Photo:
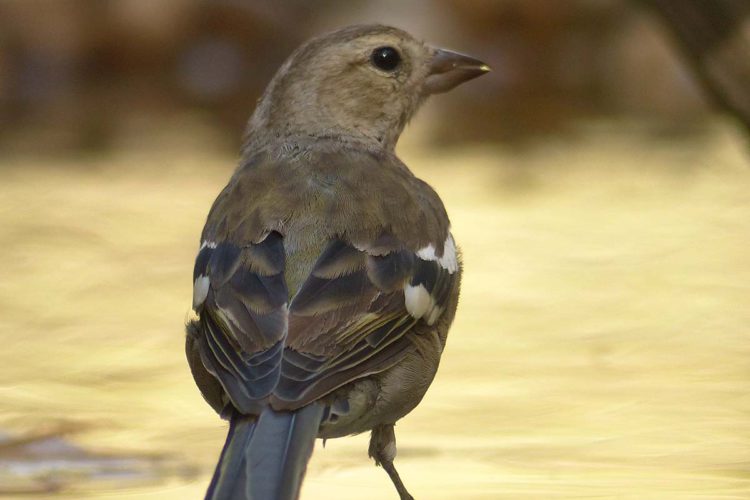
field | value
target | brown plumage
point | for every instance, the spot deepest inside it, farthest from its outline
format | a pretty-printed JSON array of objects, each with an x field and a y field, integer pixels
[{"x": 327, "y": 277}]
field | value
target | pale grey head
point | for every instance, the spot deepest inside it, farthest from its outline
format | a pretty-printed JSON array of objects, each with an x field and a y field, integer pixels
[{"x": 360, "y": 84}]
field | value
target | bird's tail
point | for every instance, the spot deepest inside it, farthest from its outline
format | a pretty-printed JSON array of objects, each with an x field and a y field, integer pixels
[{"x": 265, "y": 457}]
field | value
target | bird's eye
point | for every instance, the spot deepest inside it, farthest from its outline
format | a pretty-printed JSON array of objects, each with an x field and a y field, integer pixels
[{"x": 385, "y": 58}]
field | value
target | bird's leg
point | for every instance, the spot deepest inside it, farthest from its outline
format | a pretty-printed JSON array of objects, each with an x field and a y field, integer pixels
[{"x": 383, "y": 450}]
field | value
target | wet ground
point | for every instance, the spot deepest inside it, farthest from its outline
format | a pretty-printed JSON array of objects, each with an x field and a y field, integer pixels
[{"x": 602, "y": 346}]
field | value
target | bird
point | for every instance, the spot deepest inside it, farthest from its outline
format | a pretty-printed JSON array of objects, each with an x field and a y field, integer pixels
[{"x": 327, "y": 275}]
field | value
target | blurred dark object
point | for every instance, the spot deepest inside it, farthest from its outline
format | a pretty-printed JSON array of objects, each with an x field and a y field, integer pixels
[
  {"x": 46, "y": 462},
  {"x": 86, "y": 74},
  {"x": 549, "y": 62},
  {"x": 715, "y": 36},
  {"x": 91, "y": 75}
]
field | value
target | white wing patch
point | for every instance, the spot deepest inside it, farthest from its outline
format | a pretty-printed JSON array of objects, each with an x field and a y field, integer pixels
[
  {"x": 200, "y": 290},
  {"x": 201, "y": 284},
  {"x": 417, "y": 300},
  {"x": 449, "y": 260},
  {"x": 420, "y": 304}
]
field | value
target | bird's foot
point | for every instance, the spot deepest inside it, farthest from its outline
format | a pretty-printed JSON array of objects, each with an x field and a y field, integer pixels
[
  {"x": 400, "y": 488},
  {"x": 383, "y": 450}
]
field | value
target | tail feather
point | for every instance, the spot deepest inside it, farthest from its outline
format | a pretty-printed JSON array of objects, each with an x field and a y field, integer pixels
[
  {"x": 264, "y": 458},
  {"x": 229, "y": 479}
]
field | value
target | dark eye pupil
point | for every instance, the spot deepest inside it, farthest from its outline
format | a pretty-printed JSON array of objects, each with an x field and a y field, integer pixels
[{"x": 386, "y": 58}]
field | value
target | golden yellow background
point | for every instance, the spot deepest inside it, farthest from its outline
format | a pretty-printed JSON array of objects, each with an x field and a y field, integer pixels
[{"x": 601, "y": 350}]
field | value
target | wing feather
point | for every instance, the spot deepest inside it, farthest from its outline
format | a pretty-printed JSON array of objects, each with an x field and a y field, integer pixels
[{"x": 243, "y": 317}]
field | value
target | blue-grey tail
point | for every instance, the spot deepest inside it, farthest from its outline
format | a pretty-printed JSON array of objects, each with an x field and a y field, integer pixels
[{"x": 265, "y": 457}]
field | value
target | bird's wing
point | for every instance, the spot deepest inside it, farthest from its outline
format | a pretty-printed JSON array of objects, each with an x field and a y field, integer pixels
[
  {"x": 354, "y": 314},
  {"x": 241, "y": 297}
]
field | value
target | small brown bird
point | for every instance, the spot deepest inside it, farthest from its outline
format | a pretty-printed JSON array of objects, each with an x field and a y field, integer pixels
[{"x": 327, "y": 276}]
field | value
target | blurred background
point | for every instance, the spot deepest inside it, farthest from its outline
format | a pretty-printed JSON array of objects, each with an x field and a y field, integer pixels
[{"x": 597, "y": 181}]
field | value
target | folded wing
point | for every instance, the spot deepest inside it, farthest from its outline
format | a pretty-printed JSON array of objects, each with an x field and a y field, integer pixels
[
  {"x": 241, "y": 297},
  {"x": 356, "y": 312}
]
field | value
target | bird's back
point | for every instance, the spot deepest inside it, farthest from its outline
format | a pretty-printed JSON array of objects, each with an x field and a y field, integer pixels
[{"x": 317, "y": 192}]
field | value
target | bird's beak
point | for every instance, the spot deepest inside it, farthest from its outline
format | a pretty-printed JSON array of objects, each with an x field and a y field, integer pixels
[{"x": 449, "y": 69}]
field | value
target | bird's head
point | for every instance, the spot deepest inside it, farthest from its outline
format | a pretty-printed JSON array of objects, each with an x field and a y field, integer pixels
[{"x": 361, "y": 84}]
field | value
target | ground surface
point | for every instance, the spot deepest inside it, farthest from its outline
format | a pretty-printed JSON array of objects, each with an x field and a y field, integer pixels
[{"x": 601, "y": 350}]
